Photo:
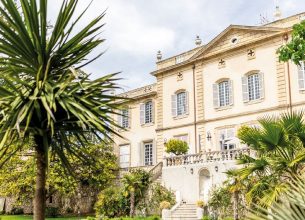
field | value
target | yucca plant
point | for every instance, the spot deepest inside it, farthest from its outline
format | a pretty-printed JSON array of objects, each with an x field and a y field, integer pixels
[
  {"x": 290, "y": 206},
  {"x": 42, "y": 94}
]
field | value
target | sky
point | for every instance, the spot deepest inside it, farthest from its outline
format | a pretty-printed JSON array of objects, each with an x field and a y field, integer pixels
[{"x": 136, "y": 29}]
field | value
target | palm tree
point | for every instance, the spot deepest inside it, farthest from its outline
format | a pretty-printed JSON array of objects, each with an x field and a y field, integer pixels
[
  {"x": 44, "y": 96},
  {"x": 290, "y": 206},
  {"x": 279, "y": 143}
]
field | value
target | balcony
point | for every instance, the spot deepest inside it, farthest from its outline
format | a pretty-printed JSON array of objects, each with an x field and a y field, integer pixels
[{"x": 206, "y": 157}]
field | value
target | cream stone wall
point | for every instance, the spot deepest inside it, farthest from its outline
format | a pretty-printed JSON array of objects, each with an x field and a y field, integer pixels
[{"x": 203, "y": 63}]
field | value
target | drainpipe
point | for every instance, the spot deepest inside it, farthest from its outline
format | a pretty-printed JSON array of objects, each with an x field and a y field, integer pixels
[
  {"x": 195, "y": 109},
  {"x": 289, "y": 81}
]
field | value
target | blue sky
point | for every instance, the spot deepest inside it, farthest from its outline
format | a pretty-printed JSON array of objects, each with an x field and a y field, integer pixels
[{"x": 136, "y": 29}]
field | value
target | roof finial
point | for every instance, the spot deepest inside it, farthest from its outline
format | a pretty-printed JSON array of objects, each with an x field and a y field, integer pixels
[
  {"x": 198, "y": 41},
  {"x": 277, "y": 13},
  {"x": 159, "y": 56}
]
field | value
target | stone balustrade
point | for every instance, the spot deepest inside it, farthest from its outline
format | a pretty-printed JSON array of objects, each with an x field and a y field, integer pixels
[{"x": 205, "y": 157}]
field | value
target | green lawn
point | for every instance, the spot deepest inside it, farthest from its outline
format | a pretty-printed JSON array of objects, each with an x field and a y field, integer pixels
[{"x": 24, "y": 217}]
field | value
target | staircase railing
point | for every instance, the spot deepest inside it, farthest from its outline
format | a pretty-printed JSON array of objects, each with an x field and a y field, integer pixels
[{"x": 156, "y": 171}]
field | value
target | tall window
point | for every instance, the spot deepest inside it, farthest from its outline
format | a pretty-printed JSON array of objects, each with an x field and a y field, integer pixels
[
  {"x": 301, "y": 75},
  {"x": 125, "y": 118},
  {"x": 148, "y": 112},
  {"x": 224, "y": 93},
  {"x": 181, "y": 103},
  {"x": 182, "y": 138},
  {"x": 124, "y": 156},
  {"x": 148, "y": 154},
  {"x": 254, "y": 87},
  {"x": 227, "y": 140}
]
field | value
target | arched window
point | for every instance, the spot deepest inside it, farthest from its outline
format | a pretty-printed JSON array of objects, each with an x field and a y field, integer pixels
[
  {"x": 223, "y": 93},
  {"x": 147, "y": 112},
  {"x": 253, "y": 88},
  {"x": 180, "y": 103}
]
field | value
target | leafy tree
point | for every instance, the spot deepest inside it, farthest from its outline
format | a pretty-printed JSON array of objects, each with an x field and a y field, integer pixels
[
  {"x": 295, "y": 49},
  {"x": 44, "y": 97},
  {"x": 220, "y": 202},
  {"x": 176, "y": 147},
  {"x": 135, "y": 185},
  {"x": 279, "y": 144},
  {"x": 17, "y": 176}
]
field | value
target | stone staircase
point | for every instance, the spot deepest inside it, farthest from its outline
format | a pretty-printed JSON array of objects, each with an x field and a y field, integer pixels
[{"x": 184, "y": 212}]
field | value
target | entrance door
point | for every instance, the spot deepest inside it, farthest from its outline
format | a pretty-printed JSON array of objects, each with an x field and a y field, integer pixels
[{"x": 204, "y": 185}]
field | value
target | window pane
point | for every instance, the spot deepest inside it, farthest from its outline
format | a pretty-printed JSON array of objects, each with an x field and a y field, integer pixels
[
  {"x": 253, "y": 86},
  {"x": 125, "y": 118},
  {"x": 148, "y": 112},
  {"x": 124, "y": 156},
  {"x": 148, "y": 154},
  {"x": 224, "y": 93},
  {"x": 181, "y": 103}
]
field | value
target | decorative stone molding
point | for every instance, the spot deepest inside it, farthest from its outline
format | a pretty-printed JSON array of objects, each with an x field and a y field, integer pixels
[
  {"x": 221, "y": 63},
  {"x": 141, "y": 92},
  {"x": 179, "y": 76},
  {"x": 251, "y": 54}
]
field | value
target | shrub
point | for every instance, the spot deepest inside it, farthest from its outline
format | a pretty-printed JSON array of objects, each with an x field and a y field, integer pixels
[
  {"x": 176, "y": 147},
  {"x": 165, "y": 205},
  {"x": 200, "y": 203},
  {"x": 17, "y": 211},
  {"x": 228, "y": 218},
  {"x": 112, "y": 203},
  {"x": 159, "y": 193},
  {"x": 207, "y": 218},
  {"x": 52, "y": 211}
]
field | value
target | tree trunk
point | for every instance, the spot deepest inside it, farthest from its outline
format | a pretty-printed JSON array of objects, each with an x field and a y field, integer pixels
[
  {"x": 132, "y": 203},
  {"x": 40, "y": 190},
  {"x": 235, "y": 204}
]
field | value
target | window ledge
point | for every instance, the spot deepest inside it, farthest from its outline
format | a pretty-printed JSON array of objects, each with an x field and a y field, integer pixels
[
  {"x": 147, "y": 125},
  {"x": 223, "y": 108},
  {"x": 302, "y": 91},
  {"x": 256, "y": 101},
  {"x": 124, "y": 129},
  {"x": 180, "y": 116}
]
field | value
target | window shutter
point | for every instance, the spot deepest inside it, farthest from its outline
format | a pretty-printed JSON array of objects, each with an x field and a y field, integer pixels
[
  {"x": 153, "y": 112},
  {"x": 129, "y": 118},
  {"x": 245, "y": 88},
  {"x": 301, "y": 76},
  {"x": 141, "y": 154},
  {"x": 231, "y": 97},
  {"x": 174, "y": 105},
  {"x": 261, "y": 85},
  {"x": 230, "y": 133},
  {"x": 120, "y": 118},
  {"x": 187, "y": 102},
  {"x": 215, "y": 96},
  {"x": 142, "y": 113},
  {"x": 155, "y": 161}
]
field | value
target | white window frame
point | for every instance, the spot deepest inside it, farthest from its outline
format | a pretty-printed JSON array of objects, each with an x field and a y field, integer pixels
[
  {"x": 148, "y": 153},
  {"x": 181, "y": 103},
  {"x": 226, "y": 137},
  {"x": 125, "y": 163},
  {"x": 224, "y": 93},
  {"x": 254, "y": 86},
  {"x": 148, "y": 112},
  {"x": 125, "y": 118},
  {"x": 301, "y": 76}
]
